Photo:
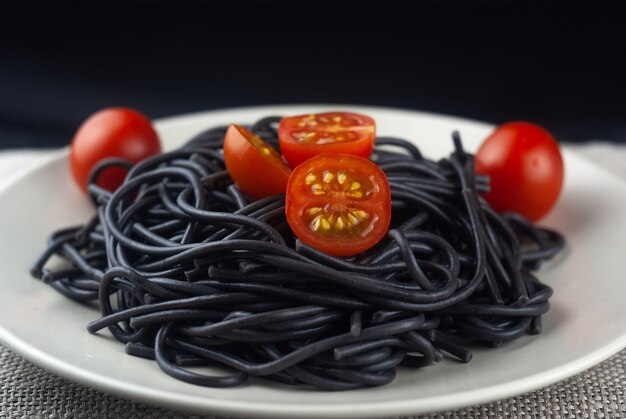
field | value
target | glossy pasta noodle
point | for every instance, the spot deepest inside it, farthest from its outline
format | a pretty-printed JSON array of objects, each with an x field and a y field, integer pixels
[{"x": 190, "y": 272}]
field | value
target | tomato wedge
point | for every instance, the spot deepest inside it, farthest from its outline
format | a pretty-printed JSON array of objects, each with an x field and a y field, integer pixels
[
  {"x": 338, "y": 203},
  {"x": 255, "y": 166},
  {"x": 304, "y": 136}
]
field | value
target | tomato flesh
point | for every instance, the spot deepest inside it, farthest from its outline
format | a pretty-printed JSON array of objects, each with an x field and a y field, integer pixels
[
  {"x": 111, "y": 132},
  {"x": 304, "y": 136},
  {"x": 525, "y": 167},
  {"x": 255, "y": 166},
  {"x": 338, "y": 203}
]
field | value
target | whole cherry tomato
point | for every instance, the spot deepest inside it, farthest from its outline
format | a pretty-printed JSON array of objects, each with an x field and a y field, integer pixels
[
  {"x": 338, "y": 203},
  {"x": 525, "y": 167},
  {"x": 255, "y": 166},
  {"x": 304, "y": 136},
  {"x": 111, "y": 132}
]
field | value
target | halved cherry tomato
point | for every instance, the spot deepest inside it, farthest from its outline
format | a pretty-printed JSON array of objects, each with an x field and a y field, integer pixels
[
  {"x": 255, "y": 166},
  {"x": 111, "y": 132},
  {"x": 525, "y": 167},
  {"x": 338, "y": 203},
  {"x": 304, "y": 136}
]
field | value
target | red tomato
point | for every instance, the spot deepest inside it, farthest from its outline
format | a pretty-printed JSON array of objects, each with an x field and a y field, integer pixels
[
  {"x": 255, "y": 166},
  {"x": 111, "y": 132},
  {"x": 525, "y": 165},
  {"x": 338, "y": 203},
  {"x": 304, "y": 136}
]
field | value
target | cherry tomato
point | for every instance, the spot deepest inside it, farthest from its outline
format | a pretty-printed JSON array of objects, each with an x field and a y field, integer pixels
[
  {"x": 111, "y": 132},
  {"x": 338, "y": 203},
  {"x": 304, "y": 136},
  {"x": 255, "y": 166},
  {"x": 525, "y": 167}
]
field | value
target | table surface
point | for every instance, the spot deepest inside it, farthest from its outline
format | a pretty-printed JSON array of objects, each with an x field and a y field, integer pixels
[{"x": 29, "y": 391}]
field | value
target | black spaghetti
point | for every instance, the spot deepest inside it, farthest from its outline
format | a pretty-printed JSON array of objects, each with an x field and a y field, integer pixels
[{"x": 190, "y": 272}]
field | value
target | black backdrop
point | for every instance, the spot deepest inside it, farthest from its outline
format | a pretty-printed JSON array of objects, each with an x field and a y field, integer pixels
[{"x": 561, "y": 64}]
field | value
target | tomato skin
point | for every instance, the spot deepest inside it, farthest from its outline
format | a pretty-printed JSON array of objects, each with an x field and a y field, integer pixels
[
  {"x": 361, "y": 128},
  {"x": 364, "y": 218},
  {"x": 525, "y": 167},
  {"x": 255, "y": 166},
  {"x": 111, "y": 132}
]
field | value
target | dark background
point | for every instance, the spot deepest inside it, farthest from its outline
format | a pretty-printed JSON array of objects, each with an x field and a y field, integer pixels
[{"x": 560, "y": 64}]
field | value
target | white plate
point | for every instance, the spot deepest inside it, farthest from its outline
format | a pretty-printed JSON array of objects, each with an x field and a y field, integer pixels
[{"x": 586, "y": 324}]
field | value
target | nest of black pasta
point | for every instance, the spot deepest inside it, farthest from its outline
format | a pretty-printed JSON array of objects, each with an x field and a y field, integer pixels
[{"x": 189, "y": 271}]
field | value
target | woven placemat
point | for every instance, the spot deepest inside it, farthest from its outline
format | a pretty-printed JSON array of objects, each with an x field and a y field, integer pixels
[{"x": 27, "y": 391}]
